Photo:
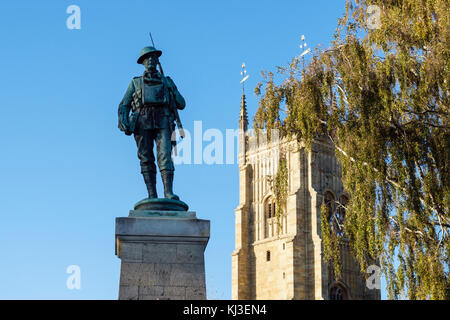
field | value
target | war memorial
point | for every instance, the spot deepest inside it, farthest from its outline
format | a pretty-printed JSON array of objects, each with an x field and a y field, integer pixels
[{"x": 161, "y": 243}]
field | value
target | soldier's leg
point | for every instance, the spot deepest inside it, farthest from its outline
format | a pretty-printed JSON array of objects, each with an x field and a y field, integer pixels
[
  {"x": 144, "y": 141},
  {"x": 165, "y": 163}
]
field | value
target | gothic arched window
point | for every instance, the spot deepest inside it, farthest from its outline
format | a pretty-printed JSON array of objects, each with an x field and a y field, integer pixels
[
  {"x": 270, "y": 208},
  {"x": 335, "y": 212},
  {"x": 339, "y": 216},
  {"x": 269, "y": 215},
  {"x": 337, "y": 292}
]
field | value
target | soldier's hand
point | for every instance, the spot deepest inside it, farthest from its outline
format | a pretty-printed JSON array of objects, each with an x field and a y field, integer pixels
[
  {"x": 125, "y": 128},
  {"x": 123, "y": 125}
]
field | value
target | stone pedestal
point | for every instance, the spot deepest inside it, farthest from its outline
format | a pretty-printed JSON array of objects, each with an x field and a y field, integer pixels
[{"x": 162, "y": 255}]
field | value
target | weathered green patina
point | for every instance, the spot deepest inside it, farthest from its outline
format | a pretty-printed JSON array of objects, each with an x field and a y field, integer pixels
[{"x": 149, "y": 111}]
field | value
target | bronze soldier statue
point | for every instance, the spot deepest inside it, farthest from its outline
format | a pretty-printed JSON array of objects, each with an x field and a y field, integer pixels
[{"x": 153, "y": 100}]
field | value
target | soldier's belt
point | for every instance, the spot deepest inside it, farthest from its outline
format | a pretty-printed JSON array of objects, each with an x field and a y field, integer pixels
[
  {"x": 151, "y": 107},
  {"x": 155, "y": 106}
]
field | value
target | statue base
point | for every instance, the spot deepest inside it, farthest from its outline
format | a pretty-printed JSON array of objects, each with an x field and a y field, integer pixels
[
  {"x": 162, "y": 253},
  {"x": 161, "y": 204}
]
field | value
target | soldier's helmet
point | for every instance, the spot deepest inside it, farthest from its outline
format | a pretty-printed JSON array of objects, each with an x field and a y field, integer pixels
[{"x": 146, "y": 52}]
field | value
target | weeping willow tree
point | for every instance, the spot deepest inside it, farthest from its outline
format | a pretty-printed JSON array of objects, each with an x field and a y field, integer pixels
[{"x": 380, "y": 94}]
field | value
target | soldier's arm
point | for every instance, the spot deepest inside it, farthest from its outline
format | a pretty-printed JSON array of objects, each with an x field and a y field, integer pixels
[
  {"x": 179, "y": 100},
  {"x": 125, "y": 107}
]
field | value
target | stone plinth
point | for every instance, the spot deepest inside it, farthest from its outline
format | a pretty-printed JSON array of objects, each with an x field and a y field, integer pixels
[{"x": 162, "y": 255}]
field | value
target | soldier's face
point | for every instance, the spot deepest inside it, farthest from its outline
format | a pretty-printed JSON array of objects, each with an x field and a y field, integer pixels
[{"x": 151, "y": 62}]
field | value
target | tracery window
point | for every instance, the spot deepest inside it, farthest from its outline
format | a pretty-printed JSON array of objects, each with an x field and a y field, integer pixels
[
  {"x": 269, "y": 215},
  {"x": 336, "y": 212},
  {"x": 270, "y": 208},
  {"x": 339, "y": 216}
]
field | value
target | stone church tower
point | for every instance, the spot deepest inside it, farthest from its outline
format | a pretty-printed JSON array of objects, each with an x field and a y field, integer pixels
[{"x": 281, "y": 258}]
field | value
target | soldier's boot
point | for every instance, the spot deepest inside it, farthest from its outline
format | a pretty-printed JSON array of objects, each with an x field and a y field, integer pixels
[
  {"x": 150, "y": 182},
  {"x": 167, "y": 178}
]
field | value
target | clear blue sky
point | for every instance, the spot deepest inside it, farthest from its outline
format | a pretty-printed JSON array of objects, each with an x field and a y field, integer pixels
[{"x": 66, "y": 171}]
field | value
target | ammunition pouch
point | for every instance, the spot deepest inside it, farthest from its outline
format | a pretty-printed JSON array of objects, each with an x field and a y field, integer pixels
[{"x": 136, "y": 104}]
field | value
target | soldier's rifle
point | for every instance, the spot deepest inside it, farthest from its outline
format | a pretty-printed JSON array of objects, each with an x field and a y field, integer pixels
[{"x": 172, "y": 104}]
